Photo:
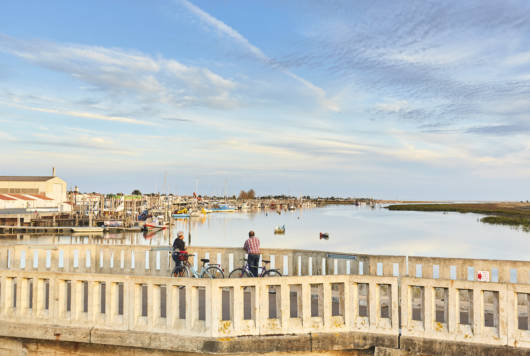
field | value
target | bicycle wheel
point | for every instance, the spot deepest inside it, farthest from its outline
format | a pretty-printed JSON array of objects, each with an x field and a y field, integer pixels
[
  {"x": 239, "y": 273},
  {"x": 212, "y": 272},
  {"x": 272, "y": 273},
  {"x": 180, "y": 271}
]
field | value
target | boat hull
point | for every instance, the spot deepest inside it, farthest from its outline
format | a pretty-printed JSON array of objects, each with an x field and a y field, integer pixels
[
  {"x": 180, "y": 216},
  {"x": 154, "y": 227}
]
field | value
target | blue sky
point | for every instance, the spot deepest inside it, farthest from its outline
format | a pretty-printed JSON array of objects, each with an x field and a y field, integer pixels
[{"x": 397, "y": 100}]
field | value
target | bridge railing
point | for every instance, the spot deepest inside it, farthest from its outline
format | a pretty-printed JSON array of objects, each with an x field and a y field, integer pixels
[
  {"x": 201, "y": 307},
  {"x": 156, "y": 261},
  {"x": 486, "y": 313}
]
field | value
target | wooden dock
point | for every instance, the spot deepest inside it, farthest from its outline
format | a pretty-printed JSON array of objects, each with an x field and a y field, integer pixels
[{"x": 9, "y": 230}]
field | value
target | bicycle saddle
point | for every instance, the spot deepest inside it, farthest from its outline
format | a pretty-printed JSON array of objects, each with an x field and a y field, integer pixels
[
  {"x": 205, "y": 260},
  {"x": 265, "y": 261}
]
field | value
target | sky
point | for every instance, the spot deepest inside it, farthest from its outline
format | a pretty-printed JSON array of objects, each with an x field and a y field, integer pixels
[{"x": 412, "y": 100}]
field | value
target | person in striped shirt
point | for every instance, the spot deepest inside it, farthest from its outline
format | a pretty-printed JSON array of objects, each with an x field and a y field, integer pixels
[{"x": 252, "y": 248}]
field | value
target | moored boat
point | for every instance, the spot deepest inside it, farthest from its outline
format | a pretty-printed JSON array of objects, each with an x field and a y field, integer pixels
[
  {"x": 279, "y": 229},
  {"x": 224, "y": 209},
  {"x": 153, "y": 226},
  {"x": 180, "y": 216}
]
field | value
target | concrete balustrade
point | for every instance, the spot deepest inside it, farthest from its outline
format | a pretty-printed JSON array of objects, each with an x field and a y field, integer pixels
[
  {"x": 196, "y": 307},
  {"x": 156, "y": 261},
  {"x": 112, "y": 309},
  {"x": 475, "y": 312},
  {"x": 467, "y": 269}
]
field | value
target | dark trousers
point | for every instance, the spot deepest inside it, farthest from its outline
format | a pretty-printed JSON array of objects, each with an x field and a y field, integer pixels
[{"x": 253, "y": 261}]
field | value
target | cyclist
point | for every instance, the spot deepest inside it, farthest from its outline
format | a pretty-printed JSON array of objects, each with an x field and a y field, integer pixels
[
  {"x": 252, "y": 248},
  {"x": 179, "y": 247}
]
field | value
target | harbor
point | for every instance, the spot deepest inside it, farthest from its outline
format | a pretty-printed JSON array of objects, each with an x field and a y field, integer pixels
[{"x": 354, "y": 228}]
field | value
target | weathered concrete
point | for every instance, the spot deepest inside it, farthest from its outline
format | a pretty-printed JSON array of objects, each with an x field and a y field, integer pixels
[
  {"x": 33, "y": 347},
  {"x": 139, "y": 344},
  {"x": 423, "y": 346},
  {"x": 271, "y": 345},
  {"x": 277, "y": 314}
]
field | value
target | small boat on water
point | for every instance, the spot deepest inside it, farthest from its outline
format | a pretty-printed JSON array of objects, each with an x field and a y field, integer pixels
[
  {"x": 279, "y": 229},
  {"x": 181, "y": 214},
  {"x": 152, "y": 226},
  {"x": 112, "y": 223},
  {"x": 324, "y": 235},
  {"x": 223, "y": 209}
]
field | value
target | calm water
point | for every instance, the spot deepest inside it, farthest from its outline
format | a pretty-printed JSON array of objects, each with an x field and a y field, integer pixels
[
  {"x": 366, "y": 230},
  {"x": 351, "y": 229}
]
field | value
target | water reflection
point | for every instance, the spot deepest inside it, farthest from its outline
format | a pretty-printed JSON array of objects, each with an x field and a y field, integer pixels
[{"x": 351, "y": 229}]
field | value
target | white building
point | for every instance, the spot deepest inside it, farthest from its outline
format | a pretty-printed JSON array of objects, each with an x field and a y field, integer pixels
[{"x": 34, "y": 193}]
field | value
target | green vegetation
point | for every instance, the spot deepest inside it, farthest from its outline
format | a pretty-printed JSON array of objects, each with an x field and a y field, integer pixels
[
  {"x": 522, "y": 223},
  {"x": 514, "y": 214}
]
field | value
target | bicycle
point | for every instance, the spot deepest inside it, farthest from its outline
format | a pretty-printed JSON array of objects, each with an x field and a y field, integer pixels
[
  {"x": 244, "y": 271},
  {"x": 185, "y": 269}
]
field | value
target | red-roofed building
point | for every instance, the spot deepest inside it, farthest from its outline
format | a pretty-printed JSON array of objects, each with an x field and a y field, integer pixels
[
  {"x": 50, "y": 186},
  {"x": 21, "y": 196},
  {"x": 40, "y": 196},
  {"x": 33, "y": 193}
]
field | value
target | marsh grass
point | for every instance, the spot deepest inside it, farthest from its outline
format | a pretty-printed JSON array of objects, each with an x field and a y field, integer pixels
[{"x": 513, "y": 214}]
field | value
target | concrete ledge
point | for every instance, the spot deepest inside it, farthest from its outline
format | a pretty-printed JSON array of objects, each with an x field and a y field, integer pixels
[
  {"x": 421, "y": 346},
  {"x": 351, "y": 340},
  {"x": 24, "y": 339},
  {"x": 158, "y": 341},
  {"x": 32, "y": 347},
  {"x": 344, "y": 341},
  {"x": 45, "y": 332},
  {"x": 257, "y": 344}
]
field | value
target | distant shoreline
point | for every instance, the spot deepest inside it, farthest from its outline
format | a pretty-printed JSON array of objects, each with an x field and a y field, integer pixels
[{"x": 501, "y": 213}]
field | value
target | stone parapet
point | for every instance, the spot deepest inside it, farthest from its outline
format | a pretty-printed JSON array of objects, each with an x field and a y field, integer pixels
[
  {"x": 156, "y": 261},
  {"x": 221, "y": 315}
]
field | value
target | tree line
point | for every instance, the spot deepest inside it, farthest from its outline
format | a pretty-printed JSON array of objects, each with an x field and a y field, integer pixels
[{"x": 247, "y": 195}]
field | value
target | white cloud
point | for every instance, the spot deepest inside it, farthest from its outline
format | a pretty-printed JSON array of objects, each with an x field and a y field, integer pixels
[{"x": 122, "y": 71}]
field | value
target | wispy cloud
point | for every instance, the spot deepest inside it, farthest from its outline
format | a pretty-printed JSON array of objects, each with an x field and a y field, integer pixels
[
  {"x": 84, "y": 115},
  {"x": 501, "y": 130},
  {"x": 226, "y": 30},
  {"x": 123, "y": 72},
  {"x": 460, "y": 55}
]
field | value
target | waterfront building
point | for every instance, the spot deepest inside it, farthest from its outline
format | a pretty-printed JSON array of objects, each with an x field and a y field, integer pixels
[
  {"x": 51, "y": 187},
  {"x": 21, "y": 197}
]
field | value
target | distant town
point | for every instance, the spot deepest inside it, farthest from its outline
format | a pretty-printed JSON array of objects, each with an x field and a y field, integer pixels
[{"x": 44, "y": 201}]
